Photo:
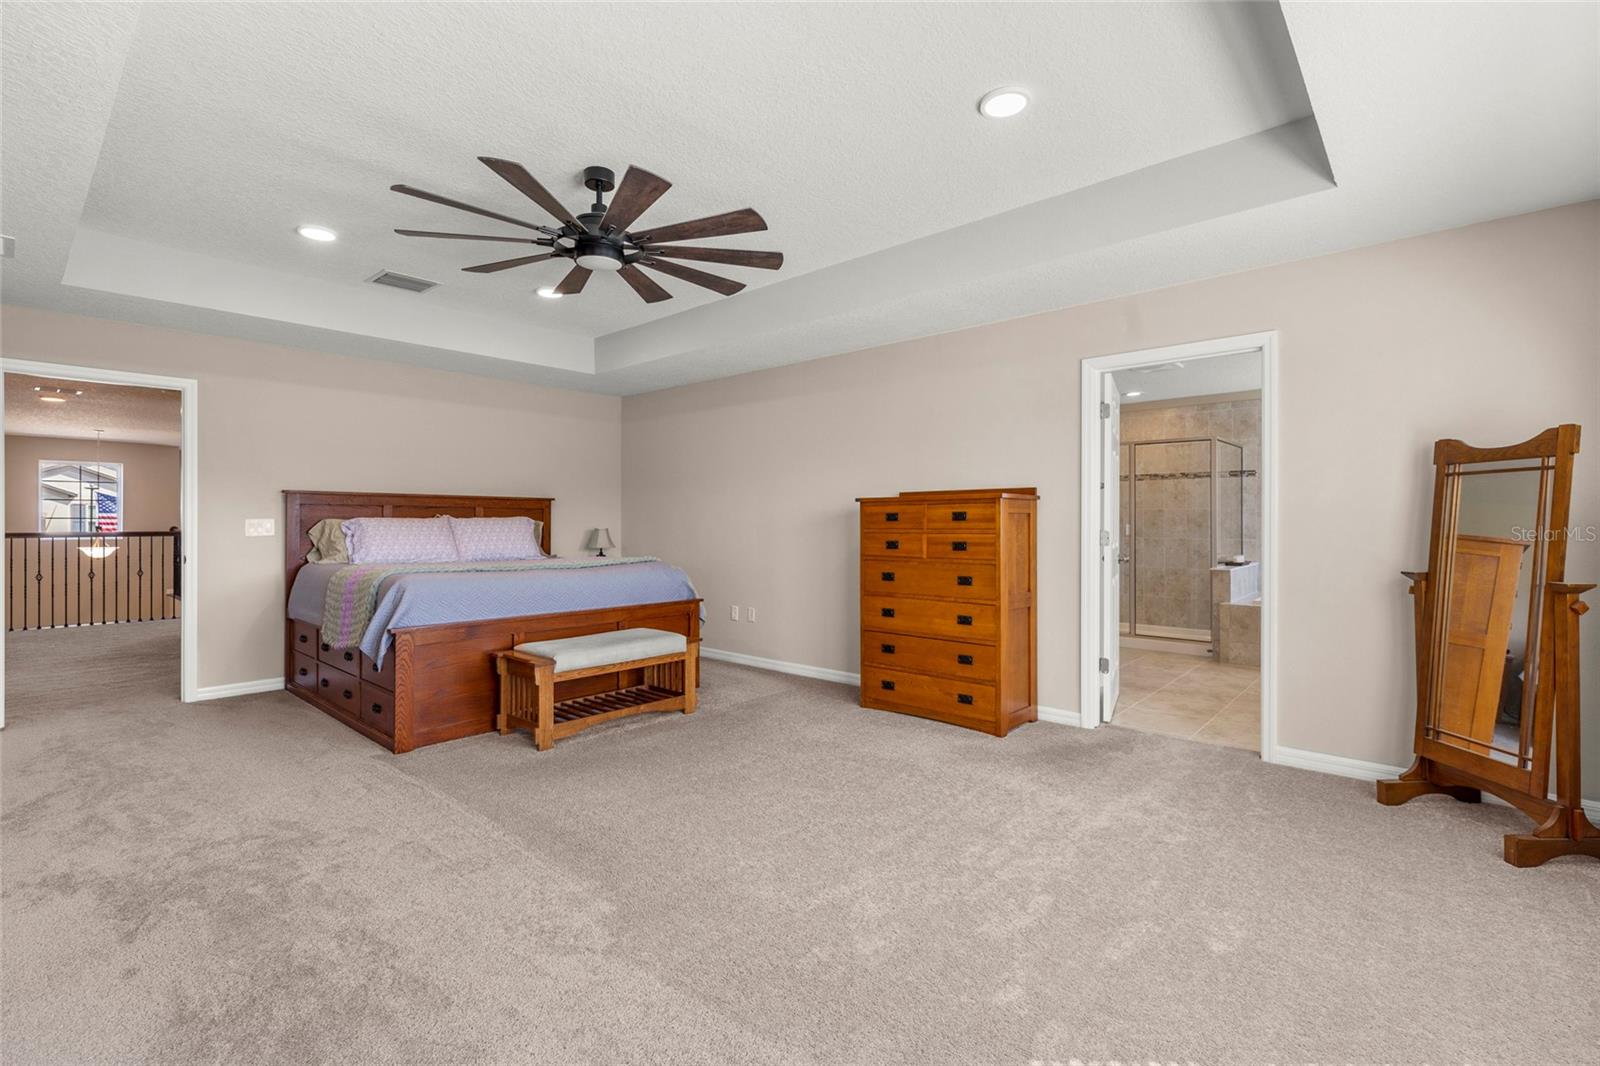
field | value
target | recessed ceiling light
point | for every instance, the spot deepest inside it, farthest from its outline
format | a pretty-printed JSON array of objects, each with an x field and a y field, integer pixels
[
  {"x": 55, "y": 395},
  {"x": 1002, "y": 103},
  {"x": 1131, "y": 395},
  {"x": 53, "y": 399},
  {"x": 317, "y": 233},
  {"x": 549, "y": 293}
]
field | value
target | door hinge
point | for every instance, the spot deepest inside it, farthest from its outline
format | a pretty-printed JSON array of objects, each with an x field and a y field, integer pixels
[
  {"x": 1105, "y": 665},
  {"x": 1105, "y": 409},
  {"x": 1105, "y": 538}
]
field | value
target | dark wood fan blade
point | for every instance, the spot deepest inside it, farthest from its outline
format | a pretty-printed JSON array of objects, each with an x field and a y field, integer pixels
[
  {"x": 731, "y": 256},
  {"x": 639, "y": 189},
  {"x": 423, "y": 194},
  {"x": 470, "y": 236},
  {"x": 648, "y": 290},
  {"x": 725, "y": 286},
  {"x": 574, "y": 282},
  {"x": 744, "y": 220},
  {"x": 507, "y": 264},
  {"x": 524, "y": 183}
]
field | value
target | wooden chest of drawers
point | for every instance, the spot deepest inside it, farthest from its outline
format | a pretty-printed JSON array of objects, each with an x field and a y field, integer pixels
[{"x": 947, "y": 606}]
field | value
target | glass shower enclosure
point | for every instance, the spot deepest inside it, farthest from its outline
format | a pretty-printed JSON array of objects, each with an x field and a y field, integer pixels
[{"x": 1182, "y": 511}]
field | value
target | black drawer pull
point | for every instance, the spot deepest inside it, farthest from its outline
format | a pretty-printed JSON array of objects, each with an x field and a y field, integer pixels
[
  {"x": 963, "y": 579},
  {"x": 326, "y": 683},
  {"x": 886, "y": 612},
  {"x": 304, "y": 671},
  {"x": 888, "y": 575},
  {"x": 958, "y": 516},
  {"x": 963, "y": 619},
  {"x": 962, "y": 697},
  {"x": 891, "y": 545},
  {"x": 886, "y": 684},
  {"x": 327, "y": 647},
  {"x": 377, "y": 708},
  {"x": 887, "y": 649},
  {"x": 964, "y": 660},
  {"x": 891, "y": 516},
  {"x": 958, "y": 545},
  {"x": 349, "y": 656},
  {"x": 349, "y": 695},
  {"x": 304, "y": 639}
]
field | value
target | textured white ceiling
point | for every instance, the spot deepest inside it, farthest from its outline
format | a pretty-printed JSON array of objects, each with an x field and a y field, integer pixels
[
  {"x": 124, "y": 412},
  {"x": 156, "y": 161},
  {"x": 1215, "y": 376}
]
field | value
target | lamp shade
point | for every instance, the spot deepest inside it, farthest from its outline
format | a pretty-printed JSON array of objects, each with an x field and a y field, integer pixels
[{"x": 599, "y": 540}]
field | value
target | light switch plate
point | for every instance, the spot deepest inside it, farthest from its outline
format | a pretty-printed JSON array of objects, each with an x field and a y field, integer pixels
[{"x": 260, "y": 527}]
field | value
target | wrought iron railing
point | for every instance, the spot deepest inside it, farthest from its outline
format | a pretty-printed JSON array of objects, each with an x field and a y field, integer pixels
[{"x": 81, "y": 579}]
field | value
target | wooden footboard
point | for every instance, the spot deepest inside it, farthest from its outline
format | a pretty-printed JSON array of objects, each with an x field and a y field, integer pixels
[{"x": 439, "y": 682}]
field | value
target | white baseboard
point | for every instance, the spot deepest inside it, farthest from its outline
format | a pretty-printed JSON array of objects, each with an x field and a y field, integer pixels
[
  {"x": 1060, "y": 717},
  {"x": 239, "y": 688},
  {"x": 1377, "y": 771},
  {"x": 820, "y": 673}
]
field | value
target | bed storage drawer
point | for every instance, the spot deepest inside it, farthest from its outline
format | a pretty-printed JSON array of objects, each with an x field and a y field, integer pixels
[
  {"x": 880, "y": 516},
  {"x": 946, "y": 697},
  {"x": 377, "y": 709},
  {"x": 303, "y": 638},
  {"x": 959, "y": 580},
  {"x": 346, "y": 659},
  {"x": 925, "y": 655},
  {"x": 371, "y": 675},
  {"x": 930, "y": 618},
  {"x": 338, "y": 688},
  {"x": 303, "y": 674}
]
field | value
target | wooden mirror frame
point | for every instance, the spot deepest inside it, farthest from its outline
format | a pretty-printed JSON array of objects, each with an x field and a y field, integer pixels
[{"x": 1552, "y": 649}]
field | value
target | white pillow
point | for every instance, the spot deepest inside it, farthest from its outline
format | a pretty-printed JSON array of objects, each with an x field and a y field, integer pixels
[
  {"x": 482, "y": 540},
  {"x": 400, "y": 540}
]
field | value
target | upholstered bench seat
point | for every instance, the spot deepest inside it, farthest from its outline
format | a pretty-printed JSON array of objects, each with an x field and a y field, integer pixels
[
  {"x": 604, "y": 649},
  {"x": 654, "y": 670}
]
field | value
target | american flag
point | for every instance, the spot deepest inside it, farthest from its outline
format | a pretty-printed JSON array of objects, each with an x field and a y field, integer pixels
[{"x": 105, "y": 508}]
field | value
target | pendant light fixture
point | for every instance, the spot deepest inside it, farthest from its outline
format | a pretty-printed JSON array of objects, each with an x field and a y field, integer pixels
[{"x": 98, "y": 547}]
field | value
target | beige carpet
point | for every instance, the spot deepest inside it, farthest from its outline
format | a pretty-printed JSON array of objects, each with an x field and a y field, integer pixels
[{"x": 782, "y": 878}]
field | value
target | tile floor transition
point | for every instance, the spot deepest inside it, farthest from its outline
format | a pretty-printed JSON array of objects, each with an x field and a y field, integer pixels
[{"x": 1190, "y": 696}]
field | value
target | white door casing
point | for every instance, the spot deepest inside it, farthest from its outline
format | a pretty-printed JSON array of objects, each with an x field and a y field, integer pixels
[{"x": 1110, "y": 547}]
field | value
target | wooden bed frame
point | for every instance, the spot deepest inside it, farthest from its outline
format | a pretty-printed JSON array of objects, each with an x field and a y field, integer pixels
[{"x": 438, "y": 682}]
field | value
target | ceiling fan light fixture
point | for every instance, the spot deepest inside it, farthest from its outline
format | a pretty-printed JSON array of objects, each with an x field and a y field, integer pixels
[
  {"x": 549, "y": 292},
  {"x": 597, "y": 254},
  {"x": 317, "y": 233},
  {"x": 1002, "y": 103}
]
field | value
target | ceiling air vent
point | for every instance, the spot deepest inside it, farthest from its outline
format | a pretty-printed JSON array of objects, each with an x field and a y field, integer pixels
[{"x": 402, "y": 281}]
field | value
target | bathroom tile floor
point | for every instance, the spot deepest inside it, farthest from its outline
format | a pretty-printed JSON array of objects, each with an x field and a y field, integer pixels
[{"x": 1190, "y": 696}]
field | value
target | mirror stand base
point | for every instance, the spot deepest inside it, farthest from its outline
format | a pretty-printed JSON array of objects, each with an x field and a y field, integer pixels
[
  {"x": 1567, "y": 831},
  {"x": 1416, "y": 782}
]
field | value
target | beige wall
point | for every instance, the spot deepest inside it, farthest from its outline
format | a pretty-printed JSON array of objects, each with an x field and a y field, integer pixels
[
  {"x": 150, "y": 499},
  {"x": 278, "y": 418},
  {"x": 1487, "y": 333}
]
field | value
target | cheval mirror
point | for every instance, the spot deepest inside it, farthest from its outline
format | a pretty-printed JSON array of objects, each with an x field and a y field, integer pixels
[{"x": 1497, "y": 643}]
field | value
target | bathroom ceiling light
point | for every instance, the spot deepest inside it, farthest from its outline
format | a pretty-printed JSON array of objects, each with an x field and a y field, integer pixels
[
  {"x": 549, "y": 293},
  {"x": 1002, "y": 103},
  {"x": 317, "y": 233},
  {"x": 1131, "y": 395},
  {"x": 55, "y": 395}
]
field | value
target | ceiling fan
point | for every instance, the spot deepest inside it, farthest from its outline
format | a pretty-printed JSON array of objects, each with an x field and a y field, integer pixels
[{"x": 600, "y": 238}]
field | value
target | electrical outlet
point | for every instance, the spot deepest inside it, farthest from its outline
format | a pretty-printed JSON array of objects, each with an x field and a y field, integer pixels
[
  {"x": 260, "y": 527},
  {"x": 735, "y": 613},
  {"x": 749, "y": 614}
]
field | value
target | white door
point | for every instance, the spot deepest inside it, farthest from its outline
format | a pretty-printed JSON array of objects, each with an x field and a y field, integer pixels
[{"x": 1110, "y": 545}]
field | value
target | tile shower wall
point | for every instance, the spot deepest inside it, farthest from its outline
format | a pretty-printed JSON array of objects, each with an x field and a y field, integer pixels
[{"x": 1174, "y": 505}]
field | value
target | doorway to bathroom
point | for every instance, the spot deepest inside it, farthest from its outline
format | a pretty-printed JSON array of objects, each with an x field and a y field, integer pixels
[{"x": 1177, "y": 541}]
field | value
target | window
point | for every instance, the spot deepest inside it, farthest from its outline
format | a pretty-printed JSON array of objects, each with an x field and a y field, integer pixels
[{"x": 79, "y": 497}]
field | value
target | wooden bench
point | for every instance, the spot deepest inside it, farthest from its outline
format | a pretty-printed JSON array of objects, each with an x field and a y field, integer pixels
[{"x": 668, "y": 665}]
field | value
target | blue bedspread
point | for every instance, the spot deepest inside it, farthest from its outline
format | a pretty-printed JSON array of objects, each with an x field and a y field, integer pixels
[{"x": 431, "y": 599}]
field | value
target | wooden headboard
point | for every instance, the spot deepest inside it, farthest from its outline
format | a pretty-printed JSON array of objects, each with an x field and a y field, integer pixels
[{"x": 306, "y": 509}]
